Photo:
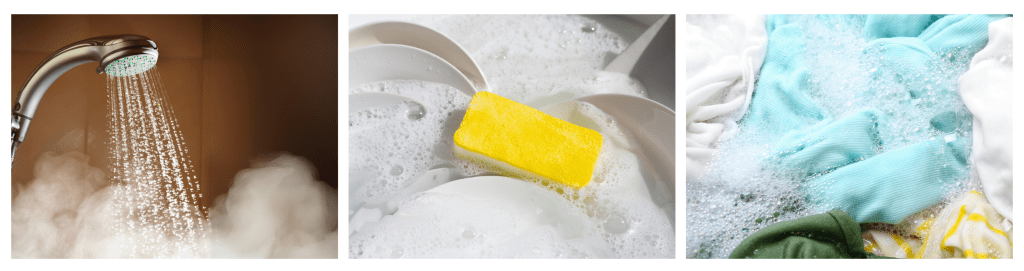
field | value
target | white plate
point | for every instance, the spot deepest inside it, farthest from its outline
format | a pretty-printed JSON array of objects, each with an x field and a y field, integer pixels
[
  {"x": 530, "y": 203},
  {"x": 422, "y": 37},
  {"x": 629, "y": 27},
  {"x": 384, "y": 62}
]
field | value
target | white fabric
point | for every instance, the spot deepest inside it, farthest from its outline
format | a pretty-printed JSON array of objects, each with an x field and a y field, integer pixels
[
  {"x": 967, "y": 228},
  {"x": 724, "y": 54},
  {"x": 987, "y": 90}
]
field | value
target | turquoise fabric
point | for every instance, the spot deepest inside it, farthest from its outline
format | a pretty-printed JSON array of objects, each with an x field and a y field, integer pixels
[
  {"x": 841, "y": 156},
  {"x": 779, "y": 100},
  {"x": 893, "y": 185},
  {"x": 889, "y": 26},
  {"x": 830, "y": 144},
  {"x": 948, "y": 121}
]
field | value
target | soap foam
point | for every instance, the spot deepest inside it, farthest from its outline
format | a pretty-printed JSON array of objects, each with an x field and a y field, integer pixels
[
  {"x": 741, "y": 192},
  {"x": 482, "y": 218},
  {"x": 626, "y": 221},
  {"x": 535, "y": 60},
  {"x": 390, "y": 148},
  {"x": 637, "y": 225}
]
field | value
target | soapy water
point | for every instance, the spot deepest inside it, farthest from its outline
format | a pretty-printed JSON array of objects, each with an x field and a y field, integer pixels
[
  {"x": 740, "y": 194},
  {"x": 149, "y": 207},
  {"x": 384, "y": 203},
  {"x": 539, "y": 60},
  {"x": 391, "y": 146},
  {"x": 399, "y": 152}
]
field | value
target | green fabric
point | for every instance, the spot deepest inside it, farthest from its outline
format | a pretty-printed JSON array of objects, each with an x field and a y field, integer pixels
[{"x": 832, "y": 235}]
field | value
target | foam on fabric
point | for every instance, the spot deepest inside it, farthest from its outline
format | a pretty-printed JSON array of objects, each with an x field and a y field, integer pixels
[
  {"x": 831, "y": 235},
  {"x": 830, "y": 67},
  {"x": 968, "y": 227},
  {"x": 723, "y": 56},
  {"x": 987, "y": 90}
]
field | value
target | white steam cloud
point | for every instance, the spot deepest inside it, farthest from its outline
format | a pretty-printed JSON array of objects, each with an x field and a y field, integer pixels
[{"x": 277, "y": 209}]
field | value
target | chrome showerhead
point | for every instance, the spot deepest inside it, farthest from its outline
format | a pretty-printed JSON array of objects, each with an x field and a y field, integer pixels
[
  {"x": 119, "y": 55},
  {"x": 129, "y": 61}
]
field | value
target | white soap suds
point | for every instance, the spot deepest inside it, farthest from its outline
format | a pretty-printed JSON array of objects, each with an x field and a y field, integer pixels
[
  {"x": 392, "y": 146},
  {"x": 740, "y": 193},
  {"x": 621, "y": 219},
  {"x": 535, "y": 60},
  {"x": 987, "y": 89},
  {"x": 723, "y": 56}
]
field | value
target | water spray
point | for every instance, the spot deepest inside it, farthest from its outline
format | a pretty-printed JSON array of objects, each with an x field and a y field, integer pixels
[{"x": 119, "y": 55}]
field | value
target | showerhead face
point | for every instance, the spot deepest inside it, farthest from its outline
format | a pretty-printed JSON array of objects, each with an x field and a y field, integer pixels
[
  {"x": 129, "y": 61},
  {"x": 130, "y": 65}
]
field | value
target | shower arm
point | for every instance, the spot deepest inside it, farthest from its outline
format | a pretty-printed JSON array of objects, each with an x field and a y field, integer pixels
[{"x": 104, "y": 49}]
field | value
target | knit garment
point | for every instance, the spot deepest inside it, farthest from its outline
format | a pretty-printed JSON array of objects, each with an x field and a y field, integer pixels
[
  {"x": 893, "y": 185},
  {"x": 967, "y": 228},
  {"x": 830, "y": 144},
  {"x": 987, "y": 90},
  {"x": 780, "y": 98},
  {"x": 889, "y": 244},
  {"x": 846, "y": 162},
  {"x": 724, "y": 54},
  {"x": 832, "y": 235}
]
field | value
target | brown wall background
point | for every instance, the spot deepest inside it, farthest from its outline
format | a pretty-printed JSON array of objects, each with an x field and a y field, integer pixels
[{"x": 242, "y": 87}]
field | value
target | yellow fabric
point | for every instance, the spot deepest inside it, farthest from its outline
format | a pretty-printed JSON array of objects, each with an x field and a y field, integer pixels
[
  {"x": 968, "y": 228},
  {"x": 890, "y": 245},
  {"x": 973, "y": 229},
  {"x": 871, "y": 247},
  {"x": 526, "y": 139}
]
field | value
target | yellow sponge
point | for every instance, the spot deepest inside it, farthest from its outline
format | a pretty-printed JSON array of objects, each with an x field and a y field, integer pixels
[{"x": 524, "y": 142}]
